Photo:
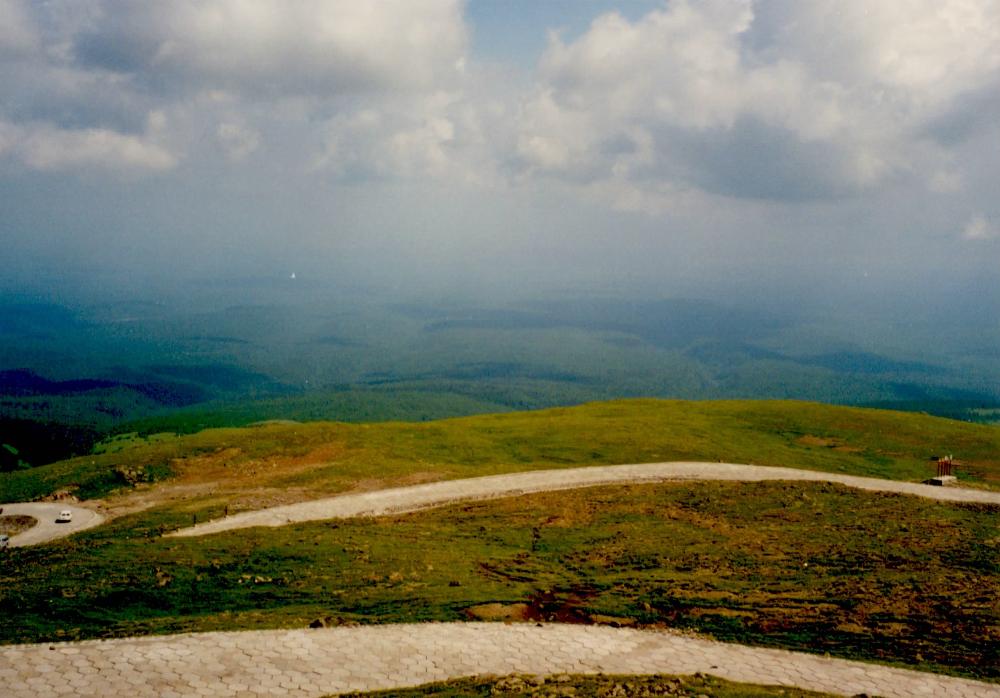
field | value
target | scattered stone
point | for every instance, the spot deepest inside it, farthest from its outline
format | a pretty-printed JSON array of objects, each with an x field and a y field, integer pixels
[
  {"x": 613, "y": 621},
  {"x": 133, "y": 475},
  {"x": 60, "y": 496},
  {"x": 509, "y": 684}
]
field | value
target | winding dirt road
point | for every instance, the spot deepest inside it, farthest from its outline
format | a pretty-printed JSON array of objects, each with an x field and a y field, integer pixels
[
  {"x": 47, "y": 529},
  {"x": 404, "y": 499},
  {"x": 318, "y": 662}
]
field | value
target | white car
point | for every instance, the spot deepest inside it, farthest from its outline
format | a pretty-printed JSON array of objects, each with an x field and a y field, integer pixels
[
  {"x": 4, "y": 540},
  {"x": 65, "y": 516}
]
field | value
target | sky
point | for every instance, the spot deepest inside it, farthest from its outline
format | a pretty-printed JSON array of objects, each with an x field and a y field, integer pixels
[{"x": 501, "y": 146}]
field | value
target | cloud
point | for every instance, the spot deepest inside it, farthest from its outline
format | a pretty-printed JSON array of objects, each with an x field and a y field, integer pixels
[
  {"x": 314, "y": 47},
  {"x": 17, "y": 32},
  {"x": 443, "y": 135},
  {"x": 779, "y": 100},
  {"x": 43, "y": 147},
  {"x": 922, "y": 53},
  {"x": 774, "y": 101},
  {"x": 980, "y": 228},
  {"x": 237, "y": 139},
  {"x": 945, "y": 182},
  {"x": 81, "y": 78}
]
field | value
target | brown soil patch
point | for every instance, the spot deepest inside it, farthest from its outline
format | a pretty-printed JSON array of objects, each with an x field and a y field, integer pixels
[
  {"x": 559, "y": 606},
  {"x": 500, "y": 612},
  {"x": 822, "y": 442},
  {"x": 230, "y": 476},
  {"x": 147, "y": 496},
  {"x": 819, "y": 442},
  {"x": 987, "y": 471},
  {"x": 614, "y": 621},
  {"x": 15, "y": 523},
  {"x": 232, "y": 468}
]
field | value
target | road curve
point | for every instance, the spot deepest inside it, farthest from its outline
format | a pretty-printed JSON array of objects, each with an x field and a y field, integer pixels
[
  {"x": 405, "y": 499},
  {"x": 47, "y": 529},
  {"x": 335, "y": 660}
]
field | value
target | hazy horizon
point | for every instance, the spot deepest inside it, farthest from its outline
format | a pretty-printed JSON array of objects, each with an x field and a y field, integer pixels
[{"x": 519, "y": 203}]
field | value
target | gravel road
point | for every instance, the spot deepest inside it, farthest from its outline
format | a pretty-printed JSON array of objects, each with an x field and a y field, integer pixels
[
  {"x": 404, "y": 499},
  {"x": 47, "y": 529}
]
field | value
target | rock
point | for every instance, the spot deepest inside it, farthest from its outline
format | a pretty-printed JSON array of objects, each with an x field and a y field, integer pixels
[{"x": 509, "y": 684}]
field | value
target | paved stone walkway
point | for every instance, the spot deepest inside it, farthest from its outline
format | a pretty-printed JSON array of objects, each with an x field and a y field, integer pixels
[
  {"x": 334, "y": 660},
  {"x": 404, "y": 499}
]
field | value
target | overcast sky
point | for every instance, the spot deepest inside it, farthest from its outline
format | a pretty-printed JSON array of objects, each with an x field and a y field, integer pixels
[{"x": 532, "y": 144}]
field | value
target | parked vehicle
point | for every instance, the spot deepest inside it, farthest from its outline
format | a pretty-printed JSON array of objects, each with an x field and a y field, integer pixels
[
  {"x": 4, "y": 540},
  {"x": 65, "y": 516}
]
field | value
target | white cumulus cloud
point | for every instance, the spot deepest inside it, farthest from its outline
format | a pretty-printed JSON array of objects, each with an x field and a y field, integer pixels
[
  {"x": 980, "y": 227},
  {"x": 44, "y": 147},
  {"x": 317, "y": 47},
  {"x": 17, "y": 31},
  {"x": 237, "y": 139},
  {"x": 760, "y": 100},
  {"x": 774, "y": 101}
]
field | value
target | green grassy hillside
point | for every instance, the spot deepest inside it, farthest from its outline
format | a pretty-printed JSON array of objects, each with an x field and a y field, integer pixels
[
  {"x": 809, "y": 566},
  {"x": 324, "y": 457},
  {"x": 804, "y": 566}
]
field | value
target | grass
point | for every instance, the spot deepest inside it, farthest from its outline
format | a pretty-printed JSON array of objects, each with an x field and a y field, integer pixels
[
  {"x": 812, "y": 567},
  {"x": 592, "y": 687},
  {"x": 807, "y": 566},
  {"x": 300, "y": 461}
]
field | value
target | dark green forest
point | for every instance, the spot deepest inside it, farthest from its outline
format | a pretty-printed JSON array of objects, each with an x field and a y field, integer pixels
[{"x": 72, "y": 376}]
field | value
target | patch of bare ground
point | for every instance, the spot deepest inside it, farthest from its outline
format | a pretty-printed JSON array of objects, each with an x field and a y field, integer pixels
[
  {"x": 986, "y": 471},
  {"x": 238, "y": 470},
  {"x": 231, "y": 477},
  {"x": 826, "y": 442},
  {"x": 14, "y": 524},
  {"x": 509, "y": 612}
]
